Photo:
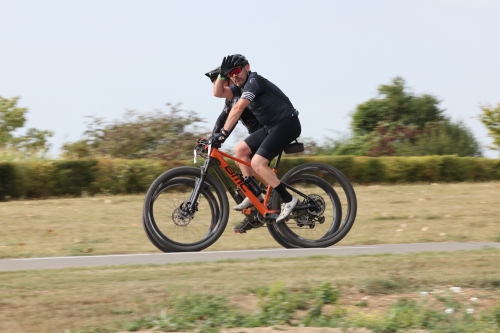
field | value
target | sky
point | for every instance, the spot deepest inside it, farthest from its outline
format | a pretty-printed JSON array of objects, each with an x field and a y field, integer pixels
[{"x": 70, "y": 59}]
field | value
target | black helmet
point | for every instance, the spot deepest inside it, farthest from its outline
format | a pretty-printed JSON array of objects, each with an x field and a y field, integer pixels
[
  {"x": 212, "y": 75},
  {"x": 239, "y": 60}
]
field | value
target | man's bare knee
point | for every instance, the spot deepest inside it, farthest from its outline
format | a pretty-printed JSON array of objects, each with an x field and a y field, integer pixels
[
  {"x": 258, "y": 164},
  {"x": 242, "y": 149}
]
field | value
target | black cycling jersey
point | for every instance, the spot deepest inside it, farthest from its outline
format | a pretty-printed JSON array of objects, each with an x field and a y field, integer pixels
[
  {"x": 267, "y": 102},
  {"x": 247, "y": 118}
]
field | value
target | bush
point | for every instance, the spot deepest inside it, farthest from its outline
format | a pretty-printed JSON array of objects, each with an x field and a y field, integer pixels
[
  {"x": 42, "y": 179},
  {"x": 8, "y": 181}
]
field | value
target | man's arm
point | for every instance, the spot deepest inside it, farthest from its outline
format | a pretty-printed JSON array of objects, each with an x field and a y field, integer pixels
[
  {"x": 221, "y": 90},
  {"x": 235, "y": 113}
]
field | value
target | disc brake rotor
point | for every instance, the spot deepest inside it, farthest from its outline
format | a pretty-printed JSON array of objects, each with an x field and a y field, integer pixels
[
  {"x": 180, "y": 219},
  {"x": 181, "y": 216}
]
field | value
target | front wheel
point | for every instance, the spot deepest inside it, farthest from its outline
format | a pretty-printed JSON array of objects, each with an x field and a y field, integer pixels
[
  {"x": 335, "y": 211},
  {"x": 173, "y": 223}
]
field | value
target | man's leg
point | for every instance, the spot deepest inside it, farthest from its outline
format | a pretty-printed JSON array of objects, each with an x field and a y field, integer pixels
[
  {"x": 277, "y": 139},
  {"x": 260, "y": 165},
  {"x": 243, "y": 152},
  {"x": 261, "y": 168}
]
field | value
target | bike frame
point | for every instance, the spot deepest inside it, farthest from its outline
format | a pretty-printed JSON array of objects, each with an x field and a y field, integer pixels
[{"x": 218, "y": 155}]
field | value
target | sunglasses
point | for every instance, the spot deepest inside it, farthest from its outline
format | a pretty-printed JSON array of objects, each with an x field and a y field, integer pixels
[{"x": 235, "y": 71}]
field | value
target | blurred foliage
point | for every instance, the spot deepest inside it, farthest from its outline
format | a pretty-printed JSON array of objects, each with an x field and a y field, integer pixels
[
  {"x": 303, "y": 308},
  {"x": 443, "y": 138},
  {"x": 395, "y": 105},
  {"x": 14, "y": 154},
  {"x": 156, "y": 135},
  {"x": 42, "y": 179},
  {"x": 491, "y": 119},
  {"x": 13, "y": 118},
  {"x": 400, "y": 123}
]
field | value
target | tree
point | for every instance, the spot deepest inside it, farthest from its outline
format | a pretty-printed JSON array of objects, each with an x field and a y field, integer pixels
[
  {"x": 395, "y": 105},
  {"x": 399, "y": 122},
  {"x": 13, "y": 118},
  {"x": 491, "y": 119},
  {"x": 444, "y": 138},
  {"x": 148, "y": 135}
]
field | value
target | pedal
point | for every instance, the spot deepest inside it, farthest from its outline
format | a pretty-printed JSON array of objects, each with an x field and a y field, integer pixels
[
  {"x": 241, "y": 232},
  {"x": 247, "y": 211}
]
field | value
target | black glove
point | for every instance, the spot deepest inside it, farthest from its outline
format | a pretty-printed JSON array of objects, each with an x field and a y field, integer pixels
[
  {"x": 219, "y": 139},
  {"x": 226, "y": 66}
]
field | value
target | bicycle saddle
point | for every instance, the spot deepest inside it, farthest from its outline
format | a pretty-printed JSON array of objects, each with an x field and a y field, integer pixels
[{"x": 294, "y": 147}]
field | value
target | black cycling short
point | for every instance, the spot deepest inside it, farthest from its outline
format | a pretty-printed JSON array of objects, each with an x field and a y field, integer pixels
[{"x": 269, "y": 142}]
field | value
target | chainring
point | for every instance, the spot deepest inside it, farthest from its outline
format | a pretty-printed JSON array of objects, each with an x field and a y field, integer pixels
[{"x": 263, "y": 219}]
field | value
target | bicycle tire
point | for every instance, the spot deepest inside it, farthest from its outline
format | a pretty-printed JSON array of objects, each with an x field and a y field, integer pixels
[
  {"x": 168, "y": 231},
  {"x": 279, "y": 238},
  {"x": 158, "y": 235},
  {"x": 275, "y": 232},
  {"x": 153, "y": 240},
  {"x": 331, "y": 179}
]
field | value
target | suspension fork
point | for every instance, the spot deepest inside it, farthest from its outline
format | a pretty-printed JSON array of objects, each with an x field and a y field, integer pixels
[{"x": 198, "y": 183}]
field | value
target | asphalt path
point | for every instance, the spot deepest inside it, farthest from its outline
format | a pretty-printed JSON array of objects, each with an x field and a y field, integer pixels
[{"x": 172, "y": 258}]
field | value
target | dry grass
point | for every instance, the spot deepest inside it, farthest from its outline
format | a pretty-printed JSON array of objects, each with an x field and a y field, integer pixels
[
  {"x": 386, "y": 214},
  {"x": 54, "y": 300},
  {"x": 461, "y": 212}
]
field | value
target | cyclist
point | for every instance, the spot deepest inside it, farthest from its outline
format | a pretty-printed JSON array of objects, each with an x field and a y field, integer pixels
[
  {"x": 273, "y": 109},
  {"x": 248, "y": 119}
]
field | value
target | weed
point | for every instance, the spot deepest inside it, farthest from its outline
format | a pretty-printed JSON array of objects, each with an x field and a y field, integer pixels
[
  {"x": 326, "y": 294},
  {"x": 277, "y": 304},
  {"x": 404, "y": 314},
  {"x": 362, "y": 304},
  {"x": 204, "y": 312},
  {"x": 385, "y": 286},
  {"x": 209, "y": 314},
  {"x": 496, "y": 315}
]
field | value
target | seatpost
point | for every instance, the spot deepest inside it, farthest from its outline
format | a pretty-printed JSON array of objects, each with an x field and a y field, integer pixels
[{"x": 277, "y": 161}]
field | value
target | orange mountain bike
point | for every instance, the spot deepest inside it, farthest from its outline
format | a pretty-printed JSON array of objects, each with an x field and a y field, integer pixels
[{"x": 187, "y": 208}]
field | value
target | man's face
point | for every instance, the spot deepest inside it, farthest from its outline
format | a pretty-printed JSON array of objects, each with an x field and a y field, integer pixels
[{"x": 240, "y": 78}]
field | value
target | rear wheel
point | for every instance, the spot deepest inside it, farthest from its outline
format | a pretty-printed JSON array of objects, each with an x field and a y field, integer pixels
[
  {"x": 173, "y": 223},
  {"x": 334, "y": 212}
]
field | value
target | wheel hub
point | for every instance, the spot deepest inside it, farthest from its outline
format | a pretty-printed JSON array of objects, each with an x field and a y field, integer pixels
[
  {"x": 319, "y": 203},
  {"x": 181, "y": 216},
  {"x": 312, "y": 215}
]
